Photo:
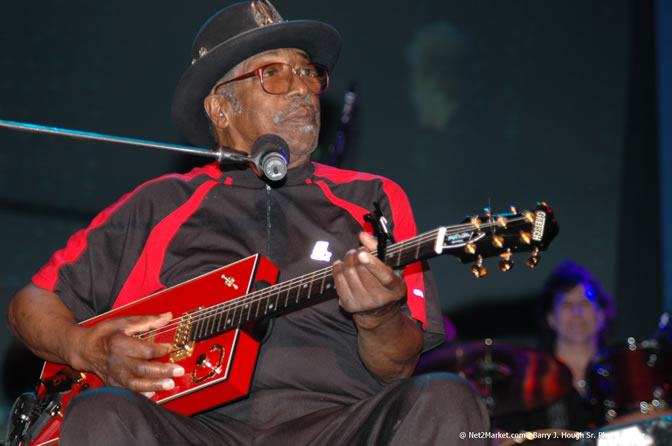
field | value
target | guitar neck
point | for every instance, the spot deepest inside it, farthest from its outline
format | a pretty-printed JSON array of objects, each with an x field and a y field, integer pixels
[
  {"x": 295, "y": 292},
  {"x": 472, "y": 241}
]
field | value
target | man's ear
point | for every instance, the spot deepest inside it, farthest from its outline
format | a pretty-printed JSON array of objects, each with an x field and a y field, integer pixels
[{"x": 216, "y": 108}]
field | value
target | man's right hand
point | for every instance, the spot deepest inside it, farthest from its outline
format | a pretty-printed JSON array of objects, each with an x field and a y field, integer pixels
[
  {"x": 110, "y": 350},
  {"x": 41, "y": 320}
]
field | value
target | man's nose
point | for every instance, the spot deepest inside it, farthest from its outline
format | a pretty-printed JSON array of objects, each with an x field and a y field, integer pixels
[
  {"x": 577, "y": 309},
  {"x": 297, "y": 85}
]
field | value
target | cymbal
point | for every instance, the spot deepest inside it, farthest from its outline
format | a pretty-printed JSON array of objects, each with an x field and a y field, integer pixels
[{"x": 510, "y": 378}]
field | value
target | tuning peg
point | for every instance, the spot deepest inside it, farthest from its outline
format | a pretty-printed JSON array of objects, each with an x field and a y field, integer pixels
[
  {"x": 506, "y": 263},
  {"x": 525, "y": 237},
  {"x": 513, "y": 209},
  {"x": 501, "y": 221},
  {"x": 498, "y": 241},
  {"x": 534, "y": 259},
  {"x": 478, "y": 270},
  {"x": 470, "y": 248},
  {"x": 475, "y": 221}
]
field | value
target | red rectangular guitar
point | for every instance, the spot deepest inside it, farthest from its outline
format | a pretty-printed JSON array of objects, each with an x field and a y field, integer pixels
[{"x": 214, "y": 336}]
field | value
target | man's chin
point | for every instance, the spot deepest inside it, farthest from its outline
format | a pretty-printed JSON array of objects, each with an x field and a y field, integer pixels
[{"x": 300, "y": 143}]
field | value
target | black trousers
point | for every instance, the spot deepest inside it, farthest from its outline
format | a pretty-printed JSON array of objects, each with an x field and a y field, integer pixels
[{"x": 431, "y": 409}]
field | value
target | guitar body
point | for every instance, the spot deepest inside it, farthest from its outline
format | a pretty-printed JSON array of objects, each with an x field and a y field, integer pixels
[{"x": 223, "y": 363}]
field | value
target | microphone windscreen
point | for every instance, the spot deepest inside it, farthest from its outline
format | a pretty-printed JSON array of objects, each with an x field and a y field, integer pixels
[
  {"x": 271, "y": 156},
  {"x": 269, "y": 143}
]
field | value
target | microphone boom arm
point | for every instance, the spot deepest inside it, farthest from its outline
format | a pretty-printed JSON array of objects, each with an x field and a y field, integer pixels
[{"x": 35, "y": 128}]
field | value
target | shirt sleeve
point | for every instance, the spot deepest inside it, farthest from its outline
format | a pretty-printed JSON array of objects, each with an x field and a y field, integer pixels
[
  {"x": 422, "y": 299},
  {"x": 90, "y": 271}
]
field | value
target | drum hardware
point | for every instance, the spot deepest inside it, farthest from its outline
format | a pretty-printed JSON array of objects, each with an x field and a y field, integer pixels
[
  {"x": 510, "y": 379},
  {"x": 634, "y": 379}
]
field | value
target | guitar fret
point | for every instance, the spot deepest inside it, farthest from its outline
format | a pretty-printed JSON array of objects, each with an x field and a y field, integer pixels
[
  {"x": 230, "y": 314},
  {"x": 249, "y": 310},
  {"x": 310, "y": 288},
  {"x": 210, "y": 326},
  {"x": 239, "y": 313},
  {"x": 268, "y": 306},
  {"x": 277, "y": 296},
  {"x": 287, "y": 297},
  {"x": 203, "y": 328},
  {"x": 235, "y": 317},
  {"x": 217, "y": 321},
  {"x": 417, "y": 250},
  {"x": 205, "y": 324},
  {"x": 222, "y": 316},
  {"x": 256, "y": 313},
  {"x": 199, "y": 329},
  {"x": 227, "y": 318}
]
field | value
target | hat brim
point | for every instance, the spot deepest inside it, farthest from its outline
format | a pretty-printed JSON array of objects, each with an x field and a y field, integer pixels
[{"x": 321, "y": 41}]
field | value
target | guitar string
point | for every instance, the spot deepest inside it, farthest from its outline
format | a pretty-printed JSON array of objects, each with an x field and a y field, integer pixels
[
  {"x": 241, "y": 303},
  {"x": 276, "y": 290}
]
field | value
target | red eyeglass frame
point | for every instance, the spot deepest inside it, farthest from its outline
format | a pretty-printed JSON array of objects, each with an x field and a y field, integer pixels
[{"x": 257, "y": 72}]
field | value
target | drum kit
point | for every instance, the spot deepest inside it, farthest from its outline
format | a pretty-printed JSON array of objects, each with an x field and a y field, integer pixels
[{"x": 626, "y": 385}]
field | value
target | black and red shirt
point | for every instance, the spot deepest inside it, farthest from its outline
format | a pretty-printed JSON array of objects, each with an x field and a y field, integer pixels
[{"x": 177, "y": 227}]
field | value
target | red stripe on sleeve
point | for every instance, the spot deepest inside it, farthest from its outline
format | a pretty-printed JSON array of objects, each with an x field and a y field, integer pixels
[
  {"x": 357, "y": 212},
  {"x": 47, "y": 276},
  {"x": 404, "y": 228},
  {"x": 145, "y": 276}
]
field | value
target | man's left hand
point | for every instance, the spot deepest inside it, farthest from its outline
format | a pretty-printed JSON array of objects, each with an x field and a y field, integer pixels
[{"x": 365, "y": 285}]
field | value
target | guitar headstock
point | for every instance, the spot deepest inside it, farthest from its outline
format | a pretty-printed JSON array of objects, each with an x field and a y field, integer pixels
[{"x": 499, "y": 235}]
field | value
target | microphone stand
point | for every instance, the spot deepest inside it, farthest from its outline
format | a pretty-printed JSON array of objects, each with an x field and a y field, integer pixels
[
  {"x": 270, "y": 153},
  {"x": 220, "y": 154}
]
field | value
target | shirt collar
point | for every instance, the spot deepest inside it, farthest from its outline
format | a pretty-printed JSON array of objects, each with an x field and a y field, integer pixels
[{"x": 243, "y": 175}]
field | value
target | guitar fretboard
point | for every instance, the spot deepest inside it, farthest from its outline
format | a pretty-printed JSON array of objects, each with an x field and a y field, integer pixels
[{"x": 295, "y": 292}]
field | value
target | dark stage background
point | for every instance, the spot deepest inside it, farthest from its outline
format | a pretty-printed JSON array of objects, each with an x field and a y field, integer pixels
[{"x": 465, "y": 104}]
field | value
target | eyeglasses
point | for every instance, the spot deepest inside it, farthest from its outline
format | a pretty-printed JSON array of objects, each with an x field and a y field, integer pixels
[{"x": 276, "y": 78}]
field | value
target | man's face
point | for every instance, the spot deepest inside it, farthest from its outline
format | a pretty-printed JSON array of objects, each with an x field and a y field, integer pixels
[
  {"x": 294, "y": 115},
  {"x": 576, "y": 315}
]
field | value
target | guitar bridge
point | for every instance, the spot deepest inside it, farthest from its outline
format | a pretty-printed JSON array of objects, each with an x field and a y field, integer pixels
[{"x": 183, "y": 343}]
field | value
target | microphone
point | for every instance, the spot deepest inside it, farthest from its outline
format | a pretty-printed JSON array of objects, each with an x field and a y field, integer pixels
[{"x": 269, "y": 157}]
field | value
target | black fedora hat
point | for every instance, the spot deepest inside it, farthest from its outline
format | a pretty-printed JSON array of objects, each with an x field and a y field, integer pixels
[{"x": 232, "y": 35}]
